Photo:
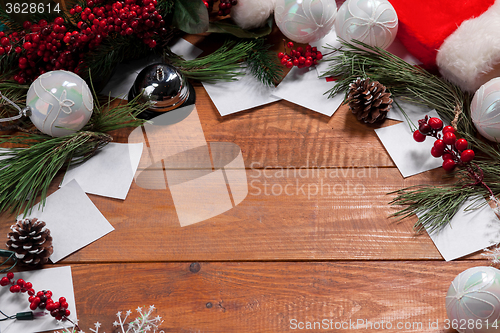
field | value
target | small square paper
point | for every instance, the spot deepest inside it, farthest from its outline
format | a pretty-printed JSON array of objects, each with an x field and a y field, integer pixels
[
  {"x": 73, "y": 220},
  {"x": 468, "y": 231},
  {"x": 108, "y": 173},
  {"x": 410, "y": 157},
  {"x": 302, "y": 87},
  {"x": 234, "y": 96},
  {"x": 412, "y": 110},
  {"x": 58, "y": 280},
  {"x": 329, "y": 41}
]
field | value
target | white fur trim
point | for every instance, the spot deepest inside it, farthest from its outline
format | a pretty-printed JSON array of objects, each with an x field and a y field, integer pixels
[
  {"x": 470, "y": 56},
  {"x": 249, "y": 14}
]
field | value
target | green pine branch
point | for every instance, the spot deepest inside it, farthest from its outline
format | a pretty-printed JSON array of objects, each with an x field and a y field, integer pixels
[
  {"x": 264, "y": 65},
  {"x": 404, "y": 80},
  {"x": 434, "y": 205},
  {"x": 227, "y": 63},
  {"x": 28, "y": 171}
]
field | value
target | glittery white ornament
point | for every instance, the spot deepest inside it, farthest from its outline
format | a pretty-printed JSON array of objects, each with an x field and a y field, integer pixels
[
  {"x": 485, "y": 110},
  {"x": 61, "y": 103},
  {"x": 373, "y": 22},
  {"x": 473, "y": 301},
  {"x": 305, "y": 21}
]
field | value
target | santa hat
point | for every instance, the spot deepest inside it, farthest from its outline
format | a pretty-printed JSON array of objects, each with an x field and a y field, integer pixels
[{"x": 461, "y": 38}]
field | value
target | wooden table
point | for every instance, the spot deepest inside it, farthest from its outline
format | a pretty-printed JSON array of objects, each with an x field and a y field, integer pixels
[{"x": 274, "y": 261}]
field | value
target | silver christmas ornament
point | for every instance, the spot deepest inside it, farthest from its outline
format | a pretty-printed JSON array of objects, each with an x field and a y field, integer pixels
[{"x": 164, "y": 87}]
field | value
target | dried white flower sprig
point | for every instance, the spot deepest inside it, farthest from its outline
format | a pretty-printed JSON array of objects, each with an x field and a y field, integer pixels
[{"x": 144, "y": 323}]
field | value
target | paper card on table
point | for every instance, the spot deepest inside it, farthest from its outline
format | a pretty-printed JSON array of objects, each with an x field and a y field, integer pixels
[
  {"x": 234, "y": 96},
  {"x": 108, "y": 173},
  {"x": 329, "y": 40},
  {"x": 73, "y": 220},
  {"x": 125, "y": 73},
  {"x": 302, "y": 87},
  {"x": 412, "y": 110},
  {"x": 468, "y": 231},
  {"x": 58, "y": 280},
  {"x": 185, "y": 49},
  {"x": 410, "y": 157}
]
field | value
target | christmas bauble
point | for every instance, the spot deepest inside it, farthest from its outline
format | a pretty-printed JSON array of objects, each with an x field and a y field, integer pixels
[
  {"x": 61, "y": 103},
  {"x": 485, "y": 110},
  {"x": 305, "y": 21},
  {"x": 473, "y": 301},
  {"x": 373, "y": 22}
]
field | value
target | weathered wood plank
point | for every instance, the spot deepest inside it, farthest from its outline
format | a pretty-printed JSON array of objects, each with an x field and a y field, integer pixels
[
  {"x": 285, "y": 134},
  {"x": 267, "y": 297},
  {"x": 285, "y": 217}
]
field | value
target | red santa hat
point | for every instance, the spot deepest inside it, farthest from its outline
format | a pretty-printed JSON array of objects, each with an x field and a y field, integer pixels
[{"x": 461, "y": 38}]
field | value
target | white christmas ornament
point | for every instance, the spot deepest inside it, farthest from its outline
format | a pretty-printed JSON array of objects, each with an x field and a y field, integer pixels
[
  {"x": 373, "y": 22},
  {"x": 61, "y": 103},
  {"x": 473, "y": 301},
  {"x": 305, "y": 21},
  {"x": 250, "y": 14},
  {"x": 485, "y": 110}
]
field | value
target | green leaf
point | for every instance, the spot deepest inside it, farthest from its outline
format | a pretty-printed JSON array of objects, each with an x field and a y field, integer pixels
[
  {"x": 226, "y": 26},
  {"x": 190, "y": 16}
]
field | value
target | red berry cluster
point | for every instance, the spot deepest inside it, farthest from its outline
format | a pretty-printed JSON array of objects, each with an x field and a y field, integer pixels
[
  {"x": 224, "y": 6},
  {"x": 45, "y": 46},
  {"x": 41, "y": 300},
  {"x": 453, "y": 151},
  {"x": 299, "y": 57}
]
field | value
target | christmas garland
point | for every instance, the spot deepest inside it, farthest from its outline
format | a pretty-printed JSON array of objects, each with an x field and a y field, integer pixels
[
  {"x": 435, "y": 205},
  {"x": 91, "y": 39}
]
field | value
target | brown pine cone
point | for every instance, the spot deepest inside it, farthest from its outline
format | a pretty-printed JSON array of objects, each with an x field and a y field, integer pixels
[
  {"x": 368, "y": 100},
  {"x": 31, "y": 241}
]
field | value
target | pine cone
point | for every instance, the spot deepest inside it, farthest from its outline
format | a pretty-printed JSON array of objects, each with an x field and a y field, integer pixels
[
  {"x": 31, "y": 241},
  {"x": 369, "y": 101}
]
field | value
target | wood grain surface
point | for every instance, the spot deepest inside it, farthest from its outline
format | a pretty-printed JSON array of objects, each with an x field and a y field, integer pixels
[
  {"x": 312, "y": 240},
  {"x": 268, "y": 297}
]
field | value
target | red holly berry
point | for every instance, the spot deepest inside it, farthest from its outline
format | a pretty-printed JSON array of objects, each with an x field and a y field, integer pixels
[
  {"x": 15, "y": 288},
  {"x": 10, "y": 275},
  {"x": 448, "y": 165},
  {"x": 435, "y": 123},
  {"x": 467, "y": 155},
  {"x": 461, "y": 144},
  {"x": 419, "y": 137},
  {"x": 424, "y": 128},
  {"x": 439, "y": 145},
  {"x": 448, "y": 129},
  {"x": 436, "y": 152},
  {"x": 4, "y": 281},
  {"x": 449, "y": 138},
  {"x": 447, "y": 156}
]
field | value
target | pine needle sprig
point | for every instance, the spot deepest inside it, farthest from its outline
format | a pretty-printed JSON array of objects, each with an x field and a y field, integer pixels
[
  {"x": 413, "y": 83},
  {"x": 27, "y": 173},
  {"x": 263, "y": 64},
  {"x": 15, "y": 92},
  {"x": 434, "y": 205},
  {"x": 111, "y": 116},
  {"x": 225, "y": 64}
]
